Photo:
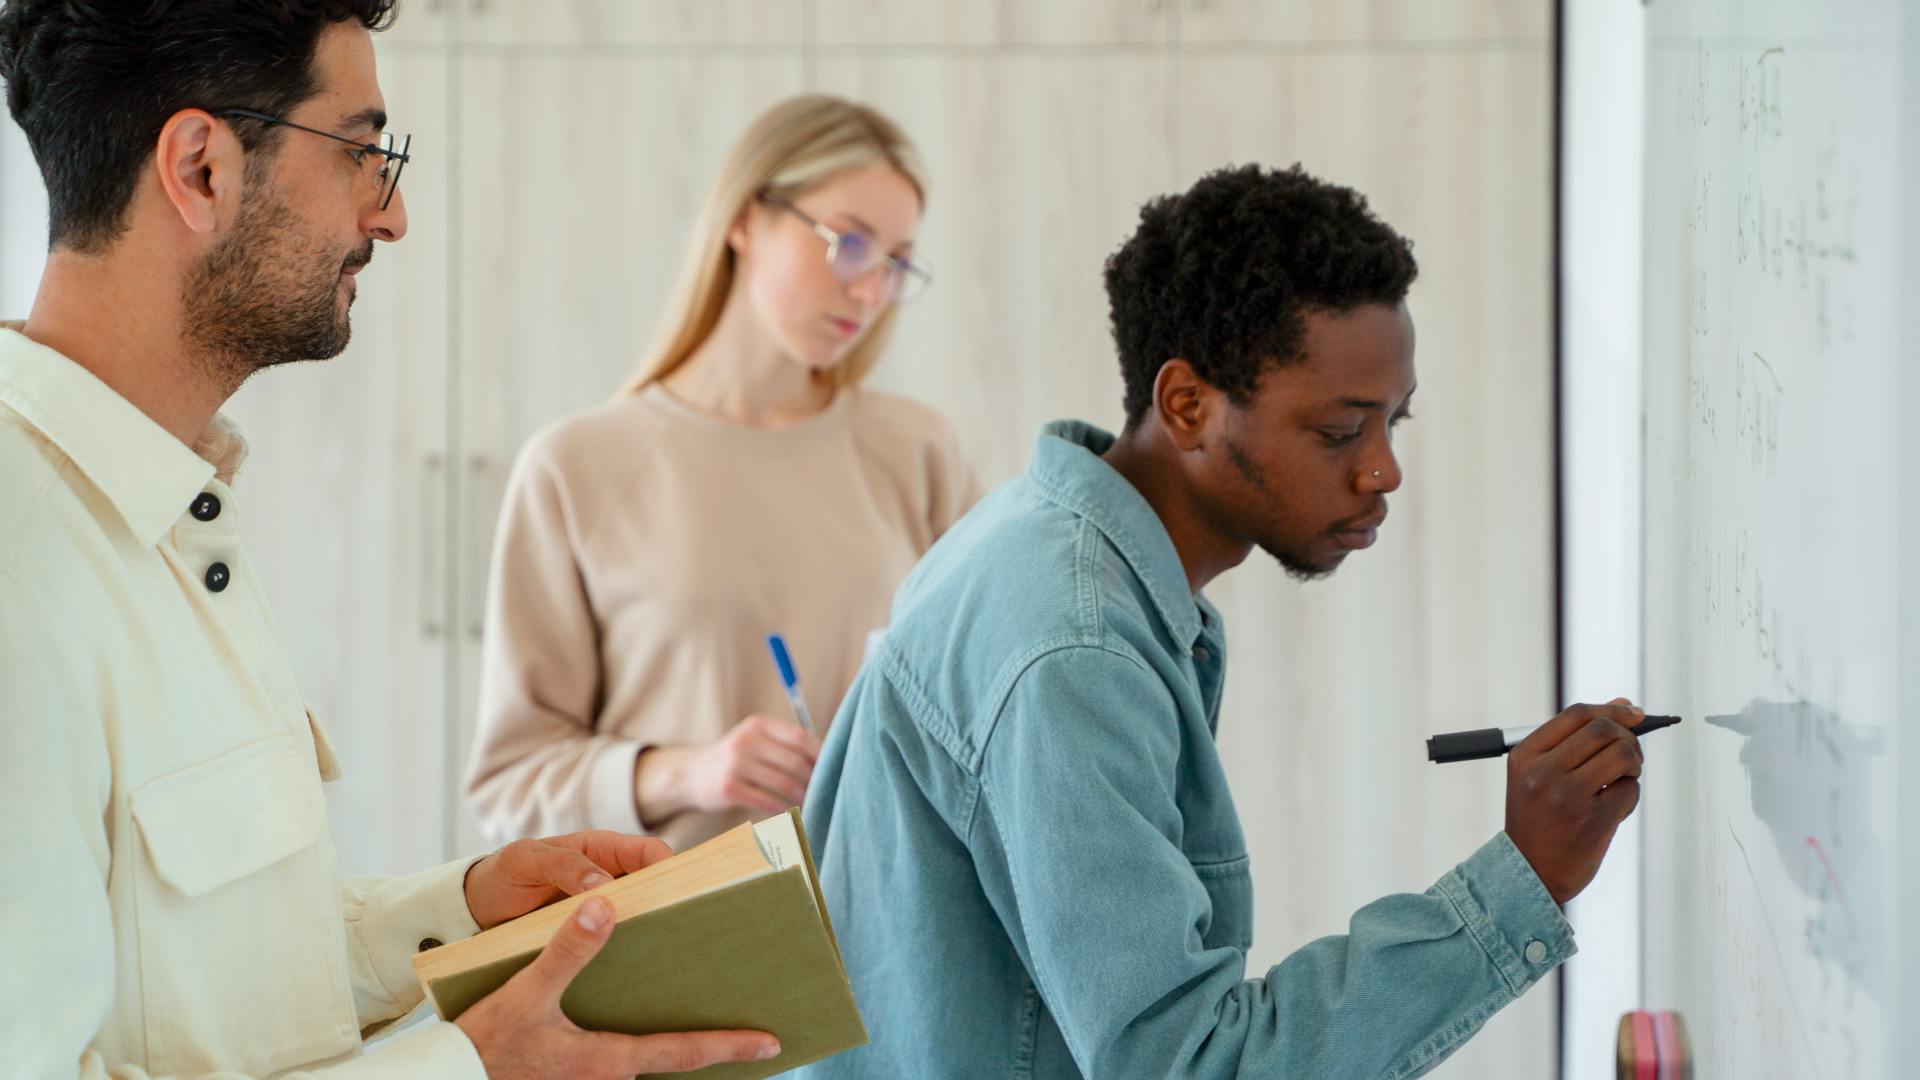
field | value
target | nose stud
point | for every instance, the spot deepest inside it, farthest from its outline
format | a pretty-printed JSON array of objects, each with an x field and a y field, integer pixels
[{"x": 1376, "y": 474}]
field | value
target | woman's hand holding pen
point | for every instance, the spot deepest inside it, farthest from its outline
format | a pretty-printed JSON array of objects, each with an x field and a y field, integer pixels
[{"x": 762, "y": 765}]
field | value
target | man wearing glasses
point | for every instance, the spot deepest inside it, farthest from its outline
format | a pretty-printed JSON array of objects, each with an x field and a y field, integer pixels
[{"x": 217, "y": 174}]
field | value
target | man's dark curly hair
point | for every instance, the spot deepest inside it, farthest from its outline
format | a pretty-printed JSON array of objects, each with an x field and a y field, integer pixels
[
  {"x": 1223, "y": 276},
  {"x": 92, "y": 82}
]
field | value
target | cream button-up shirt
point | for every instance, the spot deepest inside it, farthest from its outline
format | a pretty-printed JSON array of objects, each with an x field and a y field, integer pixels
[{"x": 172, "y": 905}]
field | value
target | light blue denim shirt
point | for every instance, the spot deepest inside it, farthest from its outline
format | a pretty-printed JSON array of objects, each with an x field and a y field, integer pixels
[{"x": 1031, "y": 857}]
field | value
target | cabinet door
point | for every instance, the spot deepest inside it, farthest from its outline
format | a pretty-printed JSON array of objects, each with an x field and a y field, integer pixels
[
  {"x": 1321, "y": 22},
  {"x": 1448, "y": 622},
  {"x": 721, "y": 23},
  {"x": 23, "y": 222},
  {"x": 582, "y": 172},
  {"x": 1037, "y": 165},
  {"x": 838, "y": 23},
  {"x": 424, "y": 22},
  {"x": 344, "y": 504}
]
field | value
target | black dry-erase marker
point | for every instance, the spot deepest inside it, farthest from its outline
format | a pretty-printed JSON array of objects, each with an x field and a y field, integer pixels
[{"x": 1494, "y": 741}]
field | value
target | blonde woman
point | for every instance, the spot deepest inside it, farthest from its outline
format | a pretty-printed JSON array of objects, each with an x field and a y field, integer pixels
[{"x": 742, "y": 484}]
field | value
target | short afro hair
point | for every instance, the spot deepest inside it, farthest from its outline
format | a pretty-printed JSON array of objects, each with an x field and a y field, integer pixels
[{"x": 1224, "y": 275}]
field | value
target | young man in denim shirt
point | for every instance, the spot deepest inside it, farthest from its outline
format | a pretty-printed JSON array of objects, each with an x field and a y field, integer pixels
[{"x": 1023, "y": 826}]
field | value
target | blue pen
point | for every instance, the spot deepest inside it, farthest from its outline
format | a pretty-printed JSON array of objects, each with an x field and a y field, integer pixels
[{"x": 790, "y": 679}]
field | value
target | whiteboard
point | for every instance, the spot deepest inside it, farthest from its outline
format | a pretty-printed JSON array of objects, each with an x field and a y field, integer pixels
[{"x": 1777, "y": 482}]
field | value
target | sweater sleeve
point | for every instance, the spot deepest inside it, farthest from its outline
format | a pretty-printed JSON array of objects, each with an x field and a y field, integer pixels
[{"x": 537, "y": 766}]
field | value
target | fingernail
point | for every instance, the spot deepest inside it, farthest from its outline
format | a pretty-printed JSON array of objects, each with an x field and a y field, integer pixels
[
  {"x": 593, "y": 914},
  {"x": 770, "y": 1051},
  {"x": 594, "y": 881}
]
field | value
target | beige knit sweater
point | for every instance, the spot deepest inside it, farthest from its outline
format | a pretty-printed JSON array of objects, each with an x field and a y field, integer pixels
[{"x": 645, "y": 552}]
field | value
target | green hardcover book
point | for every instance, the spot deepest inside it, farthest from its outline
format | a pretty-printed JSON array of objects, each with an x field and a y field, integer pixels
[{"x": 730, "y": 934}]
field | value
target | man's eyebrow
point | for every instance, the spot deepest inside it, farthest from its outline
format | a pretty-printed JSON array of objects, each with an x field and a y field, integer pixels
[
  {"x": 375, "y": 118},
  {"x": 1371, "y": 405}
]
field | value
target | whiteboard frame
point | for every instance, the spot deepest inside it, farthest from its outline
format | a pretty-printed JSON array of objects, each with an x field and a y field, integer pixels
[
  {"x": 1602, "y": 141},
  {"x": 1907, "y": 895}
]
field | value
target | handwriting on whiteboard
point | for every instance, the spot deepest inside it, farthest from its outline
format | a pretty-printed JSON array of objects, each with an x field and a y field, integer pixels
[{"x": 1770, "y": 360}]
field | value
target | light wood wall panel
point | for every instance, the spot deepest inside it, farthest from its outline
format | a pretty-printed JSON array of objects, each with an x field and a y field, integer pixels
[
  {"x": 581, "y": 176},
  {"x": 1039, "y": 163},
  {"x": 562, "y": 148},
  {"x": 1448, "y": 622},
  {"x": 343, "y": 505}
]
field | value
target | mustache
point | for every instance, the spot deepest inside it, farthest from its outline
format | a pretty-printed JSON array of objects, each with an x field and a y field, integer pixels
[{"x": 359, "y": 258}]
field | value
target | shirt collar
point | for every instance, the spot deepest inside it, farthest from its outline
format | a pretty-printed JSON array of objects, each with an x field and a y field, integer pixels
[
  {"x": 1067, "y": 466},
  {"x": 150, "y": 477}
]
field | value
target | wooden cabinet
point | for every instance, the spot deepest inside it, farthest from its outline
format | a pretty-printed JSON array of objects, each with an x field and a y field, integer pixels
[
  {"x": 840, "y": 23},
  {"x": 343, "y": 503},
  {"x": 600, "y": 23},
  {"x": 563, "y": 147},
  {"x": 424, "y": 22},
  {"x": 23, "y": 222},
  {"x": 1448, "y": 623},
  {"x": 1038, "y": 165},
  {"x": 584, "y": 173},
  {"x": 1318, "y": 23}
]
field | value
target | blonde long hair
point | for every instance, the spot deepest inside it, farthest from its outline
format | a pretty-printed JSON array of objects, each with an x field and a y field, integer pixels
[{"x": 793, "y": 147}]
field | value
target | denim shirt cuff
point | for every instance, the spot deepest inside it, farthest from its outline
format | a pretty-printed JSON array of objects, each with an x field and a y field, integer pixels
[{"x": 1509, "y": 913}]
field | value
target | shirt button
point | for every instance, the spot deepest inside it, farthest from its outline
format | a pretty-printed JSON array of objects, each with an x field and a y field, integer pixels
[
  {"x": 1200, "y": 654},
  {"x": 429, "y": 943},
  {"x": 206, "y": 507},
  {"x": 1536, "y": 952},
  {"x": 218, "y": 577}
]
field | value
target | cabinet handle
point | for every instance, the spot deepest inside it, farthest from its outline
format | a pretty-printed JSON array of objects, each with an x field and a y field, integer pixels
[
  {"x": 433, "y": 525},
  {"x": 479, "y": 545}
]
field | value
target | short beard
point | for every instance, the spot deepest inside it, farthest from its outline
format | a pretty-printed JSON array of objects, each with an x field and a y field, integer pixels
[
  {"x": 264, "y": 295},
  {"x": 1296, "y": 566}
]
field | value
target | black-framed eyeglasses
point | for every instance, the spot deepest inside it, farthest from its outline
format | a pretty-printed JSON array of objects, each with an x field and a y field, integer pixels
[
  {"x": 853, "y": 254},
  {"x": 391, "y": 151}
]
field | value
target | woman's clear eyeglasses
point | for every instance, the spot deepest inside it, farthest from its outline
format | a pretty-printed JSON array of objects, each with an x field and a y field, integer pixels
[{"x": 853, "y": 255}]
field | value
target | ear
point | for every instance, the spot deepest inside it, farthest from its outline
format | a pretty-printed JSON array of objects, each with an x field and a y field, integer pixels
[
  {"x": 740, "y": 233},
  {"x": 201, "y": 166},
  {"x": 1186, "y": 406}
]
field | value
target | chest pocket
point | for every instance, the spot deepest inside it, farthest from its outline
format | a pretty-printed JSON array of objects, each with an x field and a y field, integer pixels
[
  {"x": 1229, "y": 886},
  {"x": 242, "y": 951}
]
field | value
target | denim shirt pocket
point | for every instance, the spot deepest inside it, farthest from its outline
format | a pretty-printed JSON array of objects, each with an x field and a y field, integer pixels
[{"x": 1229, "y": 885}]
